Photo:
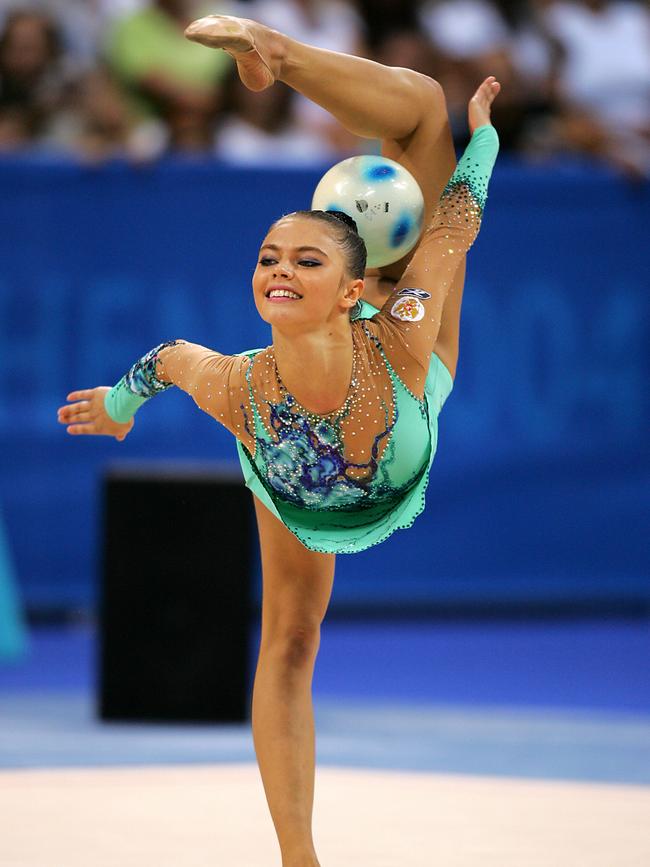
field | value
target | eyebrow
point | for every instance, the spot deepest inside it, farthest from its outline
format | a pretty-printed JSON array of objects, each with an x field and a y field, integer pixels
[{"x": 297, "y": 249}]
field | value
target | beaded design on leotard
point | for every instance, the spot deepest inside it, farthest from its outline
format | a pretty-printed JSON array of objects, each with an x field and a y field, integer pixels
[
  {"x": 306, "y": 460},
  {"x": 367, "y": 462},
  {"x": 142, "y": 379},
  {"x": 314, "y": 461}
]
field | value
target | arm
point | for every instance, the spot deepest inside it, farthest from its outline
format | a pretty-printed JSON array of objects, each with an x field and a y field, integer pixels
[
  {"x": 213, "y": 380},
  {"x": 409, "y": 321}
]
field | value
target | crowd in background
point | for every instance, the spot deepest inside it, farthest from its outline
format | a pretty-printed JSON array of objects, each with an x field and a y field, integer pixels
[{"x": 105, "y": 79}]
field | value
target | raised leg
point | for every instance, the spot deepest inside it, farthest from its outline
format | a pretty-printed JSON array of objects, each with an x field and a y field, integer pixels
[
  {"x": 297, "y": 584},
  {"x": 403, "y": 108}
]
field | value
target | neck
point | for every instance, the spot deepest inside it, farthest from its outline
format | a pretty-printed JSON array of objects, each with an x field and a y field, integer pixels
[{"x": 316, "y": 366}]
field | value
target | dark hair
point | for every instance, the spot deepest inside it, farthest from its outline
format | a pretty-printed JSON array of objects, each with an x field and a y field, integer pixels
[
  {"x": 51, "y": 30},
  {"x": 347, "y": 236}
]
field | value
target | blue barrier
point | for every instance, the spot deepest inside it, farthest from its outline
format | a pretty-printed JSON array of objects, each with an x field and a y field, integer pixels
[{"x": 540, "y": 487}]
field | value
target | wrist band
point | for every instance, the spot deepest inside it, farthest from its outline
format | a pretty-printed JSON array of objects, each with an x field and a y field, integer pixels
[
  {"x": 136, "y": 387},
  {"x": 121, "y": 404}
]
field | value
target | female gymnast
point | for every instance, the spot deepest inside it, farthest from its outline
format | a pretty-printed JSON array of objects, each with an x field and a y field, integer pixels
[{"x": 336, "y": 421}]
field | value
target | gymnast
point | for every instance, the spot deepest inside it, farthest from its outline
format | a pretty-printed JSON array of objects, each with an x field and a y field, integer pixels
[{"x": 336, "y": 421}]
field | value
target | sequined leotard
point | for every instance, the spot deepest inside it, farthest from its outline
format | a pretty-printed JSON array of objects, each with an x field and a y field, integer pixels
[{"x": 344, "y": 481}]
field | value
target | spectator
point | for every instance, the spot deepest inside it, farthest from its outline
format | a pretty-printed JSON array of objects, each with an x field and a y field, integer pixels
[
  {"x": 17, "y": 128},
  {"x": 261, "y": 130},
  {"x": 33, "y": 82},
  {"x": 465, "y": 29},
  {"x": 83, "y": 25},
  {"x": 604, "y": 79},
  {"x": 98, "y": 124},
  {"x": 384, "y": 19},
  {"x": 330, "y": 24},
  {"x": 575, "y": 76},
  {"x": 475, "y": 39},
  {"x": 165, "y": 75}
]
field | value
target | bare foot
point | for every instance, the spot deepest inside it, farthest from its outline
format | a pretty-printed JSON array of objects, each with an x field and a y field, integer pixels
[
  {"x": 478, "y": 111},
  {"x": 257, "y": 49}
]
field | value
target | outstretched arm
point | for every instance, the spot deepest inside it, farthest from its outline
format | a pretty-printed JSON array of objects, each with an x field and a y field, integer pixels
[
  {"x": 409, "y": 322},
  {"x": 213, "y": 380}
]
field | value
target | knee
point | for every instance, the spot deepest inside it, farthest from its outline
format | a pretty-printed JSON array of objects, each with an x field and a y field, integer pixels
[
  {"x": 293, "y": 645},
  {"x": 427, "y": 90},
  {"x": 431, "y": 94}
]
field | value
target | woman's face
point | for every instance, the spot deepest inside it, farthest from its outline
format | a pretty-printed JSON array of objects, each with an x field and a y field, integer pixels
[
  {"x": 301, "y": 279},
  {"x": 26, "y": 50}
]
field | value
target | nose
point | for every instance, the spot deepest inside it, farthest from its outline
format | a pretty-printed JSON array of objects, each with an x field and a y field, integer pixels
[{"x": 282, "y": 269}]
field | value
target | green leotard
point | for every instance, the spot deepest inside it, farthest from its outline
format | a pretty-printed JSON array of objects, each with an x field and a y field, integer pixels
[{"x": 344, "y": 481}]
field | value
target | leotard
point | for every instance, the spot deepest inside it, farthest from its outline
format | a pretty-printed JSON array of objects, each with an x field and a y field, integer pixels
[{"x": 344, "y": 481}]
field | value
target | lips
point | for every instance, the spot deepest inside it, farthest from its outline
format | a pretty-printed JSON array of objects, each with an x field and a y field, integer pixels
[{"x": 282, "y": 293}]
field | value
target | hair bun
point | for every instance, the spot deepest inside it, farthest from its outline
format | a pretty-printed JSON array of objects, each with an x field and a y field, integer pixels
[{"x": 345, "y": 218}]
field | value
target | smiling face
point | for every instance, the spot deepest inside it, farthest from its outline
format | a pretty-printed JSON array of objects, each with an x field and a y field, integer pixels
[{"x": 302, "y": 280}]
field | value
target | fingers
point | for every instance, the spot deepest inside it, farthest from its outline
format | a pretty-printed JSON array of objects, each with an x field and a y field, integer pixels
[
  {"x": 89, "y": 428},
  {"x": 76, "y": 429},
  {"x": 73, "y": 408},
  {"x": 490, "y": 87},
  {"x": 84, "y": 394},
  {"x": 77, "y": 411}
]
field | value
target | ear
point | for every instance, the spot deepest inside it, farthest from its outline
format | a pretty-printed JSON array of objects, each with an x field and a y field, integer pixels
[{"x": 352, "y": 292}]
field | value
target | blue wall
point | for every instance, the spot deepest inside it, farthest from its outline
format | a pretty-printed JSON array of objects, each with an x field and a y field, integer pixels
[{"x": 540, "y": 487}]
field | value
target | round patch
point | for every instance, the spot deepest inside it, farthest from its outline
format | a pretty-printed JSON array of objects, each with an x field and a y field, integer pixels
[{"x": 408, "y": 309}]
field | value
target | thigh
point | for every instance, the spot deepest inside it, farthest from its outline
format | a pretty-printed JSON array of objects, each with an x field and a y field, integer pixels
[
  {"x": 297, "y": 582},
  {"x": 428, "y": 152}
]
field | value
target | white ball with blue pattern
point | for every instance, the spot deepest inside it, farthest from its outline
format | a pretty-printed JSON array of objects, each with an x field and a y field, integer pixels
[{"x": 384, "y": 200}]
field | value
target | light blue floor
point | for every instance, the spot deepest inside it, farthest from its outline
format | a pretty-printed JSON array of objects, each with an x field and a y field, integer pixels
[
  {"x": 560, "y": 700},
  {"x": 38, "y": 730}
]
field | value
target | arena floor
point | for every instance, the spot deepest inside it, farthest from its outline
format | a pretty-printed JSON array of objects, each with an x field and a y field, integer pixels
[
  {"x": 539, "y": 763},
  {"x": 216, "y": 815}
]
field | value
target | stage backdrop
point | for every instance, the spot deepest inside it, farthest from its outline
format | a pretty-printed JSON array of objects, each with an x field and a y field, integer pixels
[{"x": 540, "y": 488}]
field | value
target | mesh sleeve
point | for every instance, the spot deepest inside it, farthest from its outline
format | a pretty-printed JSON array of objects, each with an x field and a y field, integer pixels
[
  {"x": 214, "y": 381},
  {"x": 409, "y": 322}
]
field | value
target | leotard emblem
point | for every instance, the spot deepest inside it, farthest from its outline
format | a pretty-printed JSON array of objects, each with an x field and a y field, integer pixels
[
  {"x": 408, "y": 309},
  {"x": 419, "y": 293}
]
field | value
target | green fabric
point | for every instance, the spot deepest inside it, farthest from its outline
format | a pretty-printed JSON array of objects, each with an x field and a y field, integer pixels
[
  {"x": 121, "y": 404},
  {"x": 348, "y": 532},
  {"x": 475, "y": 166}
]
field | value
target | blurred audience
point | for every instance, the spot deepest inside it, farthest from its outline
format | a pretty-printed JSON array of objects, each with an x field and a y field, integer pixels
[
  {"x": 164, "y": 75},
  {"x": 98, "y": 124},
  {"x": 33, "y": 80},
  {"x": 330, "y": 24},
  {"x": 603, "y": 80},
  {"x": 115, "y": 78},
  {"x": 261, "y": 129}
]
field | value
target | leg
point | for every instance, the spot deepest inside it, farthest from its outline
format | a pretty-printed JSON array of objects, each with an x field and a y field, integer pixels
[
  {"x": 407, "y": 111},
  {"x": 403, "y": 108},
  {"x": 369, "y": 99},
  {"x": 297, "y": 589}
]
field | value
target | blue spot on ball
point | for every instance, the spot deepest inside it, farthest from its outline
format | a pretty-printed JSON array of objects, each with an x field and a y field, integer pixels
[
  {"x": 380, "y": 172},
  {"x": 400, "y": 231}
]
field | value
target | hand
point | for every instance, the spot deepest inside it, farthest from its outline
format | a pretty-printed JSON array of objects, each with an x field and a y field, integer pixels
[
  {"x": 478, "y": 111},
  {"x": 88, "y": 415}
]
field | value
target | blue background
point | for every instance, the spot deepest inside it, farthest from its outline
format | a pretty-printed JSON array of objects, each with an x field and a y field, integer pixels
[{"x": 540, "y": 488}]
